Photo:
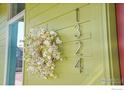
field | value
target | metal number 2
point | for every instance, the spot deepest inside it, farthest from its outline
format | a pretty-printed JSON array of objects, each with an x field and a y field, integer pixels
[{"x": 78, "y": 47}]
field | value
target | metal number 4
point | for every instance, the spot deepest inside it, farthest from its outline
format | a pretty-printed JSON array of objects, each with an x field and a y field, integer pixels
[{"x": 79, "y": 65}]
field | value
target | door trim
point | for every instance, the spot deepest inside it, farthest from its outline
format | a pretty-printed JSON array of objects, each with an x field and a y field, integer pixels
[
  {"x": 14, "y": 19},
  {"x": 110, "y": 27}
]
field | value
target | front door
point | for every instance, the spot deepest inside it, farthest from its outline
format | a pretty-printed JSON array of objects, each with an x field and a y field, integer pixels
[
  {"x": 11, "y": 66},
  {"x": 15, "y": 53},
  {"x": 15, "y": 42},
  {"x": 120, "y": 31}
]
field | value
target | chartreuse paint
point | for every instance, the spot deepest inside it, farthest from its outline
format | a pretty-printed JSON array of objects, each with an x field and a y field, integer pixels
[
  {"x": 97, "y": 62},
  {"x": 3, "y": 37}
]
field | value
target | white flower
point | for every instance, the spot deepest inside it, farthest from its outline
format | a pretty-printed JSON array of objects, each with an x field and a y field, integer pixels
[
  {"x": 47, "y": 43},
  {"x": 50, "y": 50},
  {"x": 42, "y": 32},
  {"x": 54, "y": 46},
  {"x": 58, "y": 41},
  {"x": 42, "y": 60},
  {"x": 48, "y": 64},
  {"x": 42, "y": 52},
  {"x": 48, "y": 38},
  {"x": 45, "y": 77},
  {"x": 49, "y": 57},
  {"x": 52, "y": 67},
  {"x": 51, "y": 74},
  {"x": 38, "y": 62},
  {"x": 54, "y": 55},
  {"x": 53, "y": 33},
  {"x": 33, "y": 53},
  {"x": 57, "y": 57},
  {"x": 43, "y": 37},
  {"x": 61, "y": 59},
  {"x": 50, "y": 61}
]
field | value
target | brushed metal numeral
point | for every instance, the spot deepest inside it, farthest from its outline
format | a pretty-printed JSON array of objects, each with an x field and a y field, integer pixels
[{"x": 79, "y": 65}]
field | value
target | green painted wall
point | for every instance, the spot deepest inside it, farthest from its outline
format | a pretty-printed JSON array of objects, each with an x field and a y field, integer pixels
[
  {"x": 3, "y": 37},
  {"x": 99, "y": 49},
  {"x": 94, "y": 38}
]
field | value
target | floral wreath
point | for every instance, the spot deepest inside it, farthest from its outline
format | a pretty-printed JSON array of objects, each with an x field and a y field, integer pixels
[{"x": 42, "y": 51}]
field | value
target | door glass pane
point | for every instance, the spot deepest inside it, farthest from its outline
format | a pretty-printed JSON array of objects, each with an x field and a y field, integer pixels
[
  {"x": 16, "y": 8},
  {"x": 19, "y": 53}
]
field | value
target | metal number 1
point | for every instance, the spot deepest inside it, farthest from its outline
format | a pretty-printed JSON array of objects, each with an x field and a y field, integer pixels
[{"x": 78, "y": 24}]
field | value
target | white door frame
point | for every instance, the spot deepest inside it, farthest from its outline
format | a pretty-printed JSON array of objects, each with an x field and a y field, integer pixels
[{"x": 14, "y": 19}]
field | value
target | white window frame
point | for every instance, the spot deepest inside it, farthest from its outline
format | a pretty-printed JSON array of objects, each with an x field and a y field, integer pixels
[{"x": 10, "y": 21}]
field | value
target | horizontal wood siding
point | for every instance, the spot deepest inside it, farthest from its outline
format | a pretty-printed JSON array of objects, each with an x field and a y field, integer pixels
[
  {"x": 3, "y": 37},
  {"x": 62, "y": 18}
]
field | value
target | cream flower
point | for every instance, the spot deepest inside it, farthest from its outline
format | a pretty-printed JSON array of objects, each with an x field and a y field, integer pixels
[
  {"x": 42, "y": 52},
  {"x": 47, "y": 43},
  {"x": 58, "y": 41},
  {"x": 42, "y": 31},
  {"x": 52, "y": 33},
  {"x": 50, "y": 50},
  {"x": 45, "y": 54},
  {"x": 49, "y": 57}
]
